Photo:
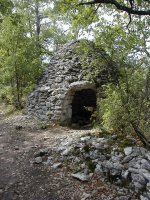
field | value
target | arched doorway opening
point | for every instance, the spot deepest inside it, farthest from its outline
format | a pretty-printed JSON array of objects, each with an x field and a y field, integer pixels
[
  {"x": 79, "y": 103},
  {"x": 83, "y": 106}
]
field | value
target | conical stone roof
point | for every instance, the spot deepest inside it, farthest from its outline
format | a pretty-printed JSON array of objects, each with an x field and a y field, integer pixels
[{"x": 68, "y": 71}]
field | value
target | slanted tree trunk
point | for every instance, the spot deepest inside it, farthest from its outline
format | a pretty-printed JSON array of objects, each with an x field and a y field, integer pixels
[{"x": 141, "y": 136}]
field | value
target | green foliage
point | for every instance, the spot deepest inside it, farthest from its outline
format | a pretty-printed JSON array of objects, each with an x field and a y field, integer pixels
[
  {"x": 5, "y": 94},
  {"x": 112, "y": 112},
  {"x": 5, "y": 7},
  {"x": 20, "y": 64},
  {"x": 25, "y": 41},
  {"x": 126, "y": 102}
]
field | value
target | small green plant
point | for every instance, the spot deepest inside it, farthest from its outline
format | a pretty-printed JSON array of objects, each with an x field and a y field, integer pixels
[
  {"x": 91, "y": 165},
  {"x": 86, "y": 148}
]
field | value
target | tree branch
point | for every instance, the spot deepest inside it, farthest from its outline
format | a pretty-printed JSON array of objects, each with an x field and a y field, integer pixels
[{"x": 119, "y": 6}]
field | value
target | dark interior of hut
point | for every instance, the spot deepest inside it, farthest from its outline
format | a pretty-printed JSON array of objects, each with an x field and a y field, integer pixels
[{"x": 83, "y": 106}]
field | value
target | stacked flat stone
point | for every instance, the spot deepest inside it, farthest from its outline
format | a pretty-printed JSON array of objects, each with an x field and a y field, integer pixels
[
  {"x": 51, "y": 100},
  {"x": 126, "y": 168}
]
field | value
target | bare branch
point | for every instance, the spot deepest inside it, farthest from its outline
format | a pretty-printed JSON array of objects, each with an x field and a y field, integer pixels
[
  {"x": 130, "y": 20},
  {"x": 119, "y": 6}
]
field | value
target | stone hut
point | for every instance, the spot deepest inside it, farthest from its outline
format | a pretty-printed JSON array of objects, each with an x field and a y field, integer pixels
[{"x": 67, "y": 89}]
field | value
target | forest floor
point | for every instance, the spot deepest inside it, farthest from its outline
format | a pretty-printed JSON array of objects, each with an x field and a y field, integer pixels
[{"x": 20, "y": 138}]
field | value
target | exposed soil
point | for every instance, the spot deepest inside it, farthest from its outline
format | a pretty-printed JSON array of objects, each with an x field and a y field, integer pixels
[{"x": 20, "y": 138}]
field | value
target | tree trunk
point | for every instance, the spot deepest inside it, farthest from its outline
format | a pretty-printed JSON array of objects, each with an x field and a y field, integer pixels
[{"x": 141, "y": 135}]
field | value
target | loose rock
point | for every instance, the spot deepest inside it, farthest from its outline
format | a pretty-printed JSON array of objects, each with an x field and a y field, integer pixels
[
  {"x": 38, "y": 160},
  {"x": 80, "y": 176},
  {"x": 56, "y": 165}
]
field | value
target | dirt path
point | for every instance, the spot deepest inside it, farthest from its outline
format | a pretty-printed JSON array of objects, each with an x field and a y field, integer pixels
[{"x": 19, "y": 178}]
